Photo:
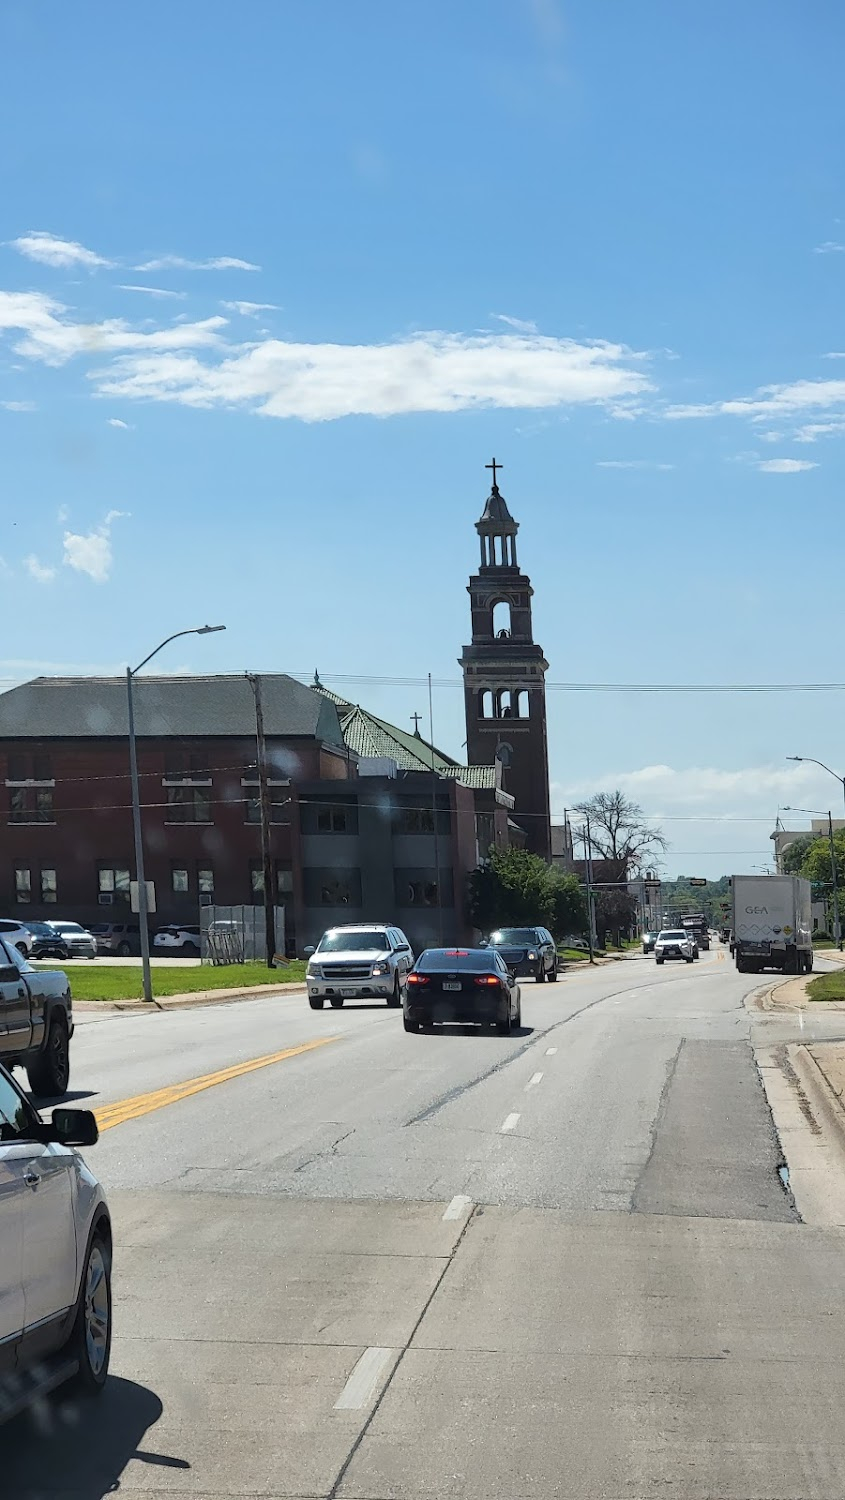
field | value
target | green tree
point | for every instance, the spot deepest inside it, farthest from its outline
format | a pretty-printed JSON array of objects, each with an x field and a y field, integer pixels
[
  {"x": 815, "y": 865},
  {"x": 795, "y": 853},
  {"x": 516, "y": 889}
]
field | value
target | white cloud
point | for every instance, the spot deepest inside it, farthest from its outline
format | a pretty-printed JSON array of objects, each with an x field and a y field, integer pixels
[
  {"x": 522, "y": 325},
  {"x": 18, "y": 405},
  {"x": 770, "y": 437},
  {"x": 787, "y": 400},
  {"x": 829, "y": 247},
  {"x": 179, "y": 263},
  {"x": 62, "y": 514},
  {"x": 426, "y": 372},
  {"x": 41, "y": 572},
  {"x": 91, "y": 552},
  {"x": 784, "y": 465},
  {"x": 250, "y": 309},
  {"x": 631, "y": 463},
  {"x": 116, "y": 422},
  {"x": 834, "y": 354},
  {"x": 51, "y": 336},
  {"x": 49, "y": 250},
  {"x": 153, "y": 291}
]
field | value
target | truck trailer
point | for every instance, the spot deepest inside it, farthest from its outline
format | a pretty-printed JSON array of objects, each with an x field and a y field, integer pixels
[{"x": 772, "y": 925}]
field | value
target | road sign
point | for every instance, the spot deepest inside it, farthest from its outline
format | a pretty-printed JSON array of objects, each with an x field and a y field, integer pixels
[{"x": 697, "y": 880}]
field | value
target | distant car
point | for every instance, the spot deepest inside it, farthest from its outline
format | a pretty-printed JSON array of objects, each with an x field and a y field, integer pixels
[
  {"x": 363, "y": 961},
  {"x": 649, "y": 940},
  {"x": 526, "y": 951},
  {"x": 55, "y": 1255},
  {"x": 466, "y": 985},
  {"x": 47, "y": 942},
  {"x": 576, "y": 942},
  {"x": 80, "y": 941},
  {"x": 15, "y": 933},
  {"x": 178, "y": 939},
  {"x": 673, "y": 943},
  {"x": 121, "y": 938}
]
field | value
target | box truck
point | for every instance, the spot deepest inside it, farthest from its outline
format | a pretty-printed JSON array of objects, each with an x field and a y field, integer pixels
[{"x": 772, "y": 926}]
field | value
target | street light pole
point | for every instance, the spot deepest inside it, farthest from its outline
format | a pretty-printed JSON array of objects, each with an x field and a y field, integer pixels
[
  {"x": 812, "y": 761},
  {"x": 837, "y": 926},
  {"x": 143, "y": 905}
]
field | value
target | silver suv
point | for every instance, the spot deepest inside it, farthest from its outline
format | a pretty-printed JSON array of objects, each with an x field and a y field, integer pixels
[{"x": 366, "y": 961}]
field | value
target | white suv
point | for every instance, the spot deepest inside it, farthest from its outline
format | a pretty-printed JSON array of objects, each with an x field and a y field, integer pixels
[
  {"x": 19, "y": 937},
  {"x": 673, "y": 943},
  {"x": 55, "y": 1254},
  {"x": 367, "y": 961}
]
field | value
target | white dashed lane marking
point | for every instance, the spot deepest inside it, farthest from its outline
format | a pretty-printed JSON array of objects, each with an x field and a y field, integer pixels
[
  {"x": 509, "y": 1124},
  {"x": 550, "y": 1051},
  {"x": 533, "y": 1081},
  {"x": 361, "y": 1385},
  {"x": 458, "y": 1207}
]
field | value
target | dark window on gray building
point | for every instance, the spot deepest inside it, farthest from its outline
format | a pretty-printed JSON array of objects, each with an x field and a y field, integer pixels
[
  {"x": 329, "y": 815},
  {"x": 335, "y": 887},
  {"x": 419, "y": 888},
  {"x": 416, "y": 815}
]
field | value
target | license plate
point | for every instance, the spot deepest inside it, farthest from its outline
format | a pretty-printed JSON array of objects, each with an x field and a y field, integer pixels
[
  {"x": 349, "y": 994},
  {"x": 451, "y": 984}
]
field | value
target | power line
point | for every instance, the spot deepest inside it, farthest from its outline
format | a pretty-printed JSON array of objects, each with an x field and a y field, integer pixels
[{"x": 592, "y": 687}]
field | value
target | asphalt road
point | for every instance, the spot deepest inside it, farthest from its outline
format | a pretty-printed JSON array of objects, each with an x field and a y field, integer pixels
[{"x": 560, "y": 1263}]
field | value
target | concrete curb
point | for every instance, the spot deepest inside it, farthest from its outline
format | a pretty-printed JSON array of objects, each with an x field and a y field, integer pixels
[
  {"x": 819, "y": 1091},
  {"x": 184, "y": 1002}
]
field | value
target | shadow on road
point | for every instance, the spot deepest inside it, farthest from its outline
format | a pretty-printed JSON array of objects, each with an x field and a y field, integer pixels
[{"x": 67, "y": 1446}]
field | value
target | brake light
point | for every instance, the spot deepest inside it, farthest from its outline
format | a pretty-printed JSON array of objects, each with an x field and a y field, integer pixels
[
  {"x": 486, "y": 979},
  {"x": 417, "y": 979}
]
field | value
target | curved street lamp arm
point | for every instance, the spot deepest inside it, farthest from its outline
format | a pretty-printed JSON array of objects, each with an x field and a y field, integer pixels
[{"x": 194, "y": 630}]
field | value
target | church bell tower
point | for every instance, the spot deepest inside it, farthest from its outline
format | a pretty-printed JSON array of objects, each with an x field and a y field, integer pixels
[{"x": 504, "y": 675}]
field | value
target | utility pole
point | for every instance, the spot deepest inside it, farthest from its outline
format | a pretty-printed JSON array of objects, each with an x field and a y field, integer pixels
[
  {"x": 143, "y": 913},
  {"x": 837, "y": 927},
  {"x": 264, "y": 813},
  {"x": 591, "y": 907},
  {"x": 434, "y": 815}
]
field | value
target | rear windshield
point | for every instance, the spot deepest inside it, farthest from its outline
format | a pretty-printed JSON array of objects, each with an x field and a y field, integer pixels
[
  {"x": 352, "y": 942},
  {"x": 507, "y": 935},
  {"x": 452, "y": 959}
]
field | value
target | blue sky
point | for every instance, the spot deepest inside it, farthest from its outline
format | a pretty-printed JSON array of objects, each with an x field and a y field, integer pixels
[{"x": 278, "y": 279}]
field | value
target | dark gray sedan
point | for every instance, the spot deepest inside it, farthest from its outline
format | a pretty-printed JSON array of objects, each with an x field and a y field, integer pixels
[{"x": 461, "y": 985}]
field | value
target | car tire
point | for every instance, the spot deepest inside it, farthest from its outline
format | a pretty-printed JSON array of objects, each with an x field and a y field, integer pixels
[
  {"x": 410, "y": 1025},
  {"x": 552, "y": 974},
  {"x": 540, "y": 976},
  {"x": 90, "y": 1341},
  {"x": 316, "y": 1002},
  {"x": 659, "y": 960},
  {"x": 518, "y": 1017},
  {"x": 395, "y": 1000},
  {"x": 123, "y": 950},
  {"x": 690, "y": 960},
  {"x": 21, "y": 947},
  {"x": 335, "y": 1001},
  {"x": 49, "y": 1071},
  {"x": 504, "y": 1027}
]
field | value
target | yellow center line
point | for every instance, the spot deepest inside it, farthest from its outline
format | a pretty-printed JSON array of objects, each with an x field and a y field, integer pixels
[{"x": 144, "y": 1104}]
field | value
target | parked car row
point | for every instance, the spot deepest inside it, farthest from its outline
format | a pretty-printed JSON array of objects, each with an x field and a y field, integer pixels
[{"x": 60, "y": 939}]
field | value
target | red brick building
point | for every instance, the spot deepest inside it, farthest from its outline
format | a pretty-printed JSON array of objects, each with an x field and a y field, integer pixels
[{"x": 346, "y": 846}]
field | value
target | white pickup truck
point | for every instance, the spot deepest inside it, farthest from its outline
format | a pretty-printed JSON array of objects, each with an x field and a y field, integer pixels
[{"x": 36, "y": 1022}]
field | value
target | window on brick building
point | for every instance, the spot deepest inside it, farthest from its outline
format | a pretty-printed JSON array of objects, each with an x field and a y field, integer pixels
[
  {"x": 49, "y": 889},
  {"x": 205, "y": 881},
  {"x": 23, "y": 884},
  {"x": 113, "y": 880},
  {"x": 31, "y": 804},
  {"x": 187, "y": 803},
  {"x": 179, "y": 880}
]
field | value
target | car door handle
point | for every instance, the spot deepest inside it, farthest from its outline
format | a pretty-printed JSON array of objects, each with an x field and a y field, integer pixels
[{"x": 31, "y": 1178}]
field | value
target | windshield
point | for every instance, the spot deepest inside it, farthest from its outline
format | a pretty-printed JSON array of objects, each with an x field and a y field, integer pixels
[
  {"x": 353, "y": 942},
  {"x": 507, "y": 936},
  {"x": 41, "y": 929},
  {"x": 71, "y": 927},
  {"x": 674, "y": 934}
]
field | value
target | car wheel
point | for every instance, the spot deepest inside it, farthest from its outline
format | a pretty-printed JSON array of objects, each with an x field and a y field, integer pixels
[
  {"x": 90, "y": 1341},
  {"x": 124, "y": 950},
  {"x": 690, "y": 960},
  {"x": 49, "y": 1072},
  {"x": 518, "y": 1017},
  {"x": 659, "y": 960},
  {"x": 316, "y": 1002},
  {"x": 552, "y": 974},
  {"x": 21, "y": 947},
  {"x": 336, "y": 1001},
  {"x": 410, "y": 1025},
  {"x": 395, "y": 1000},
  {"x": 540, "y": 975},
  {"x": 504, "y": 1027}
]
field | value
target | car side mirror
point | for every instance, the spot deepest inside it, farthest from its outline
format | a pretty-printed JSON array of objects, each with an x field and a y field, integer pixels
[
  {"x": 309, "y": 950},
  {"x": 513, "y": 976},
  {"x": 9, "y": 973},
  {"x": 74, "y": 1127}
]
